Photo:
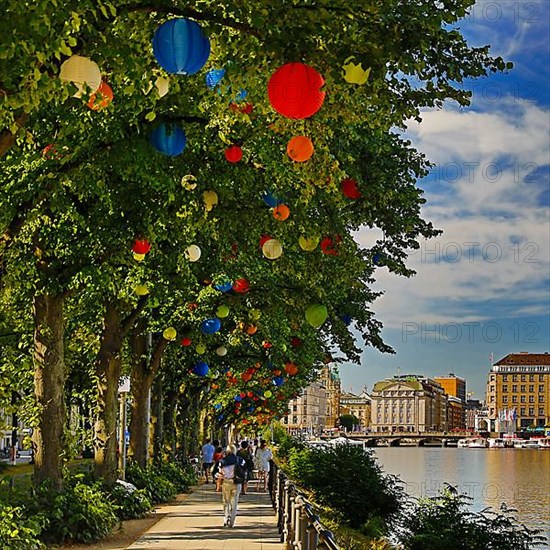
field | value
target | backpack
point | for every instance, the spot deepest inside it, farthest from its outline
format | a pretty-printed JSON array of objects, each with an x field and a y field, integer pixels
[{"x": 240, "y": 472}]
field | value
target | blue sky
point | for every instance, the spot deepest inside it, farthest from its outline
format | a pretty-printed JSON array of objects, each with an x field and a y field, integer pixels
[{"x": 483, "y": 287}]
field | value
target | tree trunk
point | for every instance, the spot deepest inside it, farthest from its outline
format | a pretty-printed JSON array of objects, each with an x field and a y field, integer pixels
[
  {"x": 49, "y": 381},
  {"x": 169, "y": 421},
  {"x": 108, "y": 368},
  {"x": 156, "y": 450}
]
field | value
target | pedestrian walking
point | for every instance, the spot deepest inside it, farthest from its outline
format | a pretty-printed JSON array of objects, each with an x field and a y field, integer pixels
[
  {"x": 231, "y": 472},
  {"x": 262, "y": 457},
  {"x": 245, "y": 454},
  {"x": 218, "y": 455},
  {"x": 208, "y": 451}
]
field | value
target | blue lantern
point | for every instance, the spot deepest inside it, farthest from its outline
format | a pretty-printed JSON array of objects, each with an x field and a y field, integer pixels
[
  {"x": 217, "y": 406},
  {"x": 250, "y": 409},
  {"x": 378, "y": 259},
  {"x": 240, "y": 95},
  {"x": 170, "y": 140},
  {"x": 210, "y": 326},
  {"x": 201, "y": 368},
  {"x": 278, "y": 380},
  {"x": 214, "y": 77},
  {"x": 224, "y": 286},
  {"x": 269, "y": 199},
  {"x": 238, "y": 397},
  {"x": 346, "y": 318},
  {"x": 180, "y": 46}
]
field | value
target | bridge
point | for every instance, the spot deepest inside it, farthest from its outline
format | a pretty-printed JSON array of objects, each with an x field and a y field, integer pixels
[{"x": 418, "y": 439}]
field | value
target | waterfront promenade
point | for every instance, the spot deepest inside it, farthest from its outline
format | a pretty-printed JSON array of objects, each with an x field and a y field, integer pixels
[{"x": 196, "y": 524}]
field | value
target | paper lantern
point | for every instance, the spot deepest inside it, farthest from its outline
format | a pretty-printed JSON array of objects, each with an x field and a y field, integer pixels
[
  {"x": 193, "y": 253},
  {"x": 201, "y": 368},
  {"x": 281, "y": 212},
  {"x": 81, "y": 71},
  {"x": 214, "y": 77},
  {"x": 251, "y": 329},
  {"x": 162, "y": 84},
  {"x": 210, "y": 326},
  {"x": 168, "y": 139},
  {"x": 233, "y": 154},
  {"x": 141, "y": 290},
  {"x": 269, "y": 199},
  {"x": 300, "y": 148},
  {"x": 101, "y": 98},
  {"x": 222, "y": 311},
  {"x": 264, "y": 239},
  {"x": 141, "y": 246},
  {"x": 241, "y": 286},
  {"x": 266, "y": 344},
  {"x": 328, "y": 246},
  {"x": 221, "y": 351},
  {"x": 346, "y": 319},
  {"x": 246, "y": 377},
  {"x": 272, "y": 249},
  {"x": 238, "y": 397},
  {"x": 246, "y": 108},
  {"x": 295, "y": 90},
  {"x": 308, "y": 243},
  {"x": 180, "y": 46},
  {"x": 278, "y": 381},
  {"x": 241, "y": 95},
  {"x": 189, "y": 182},
  {"x": 350, "y": 188},
  {"x": 138, "y": 257},
  {"x": 378, "y": 259},
  {"x": 210, "y": 199},
  {"x": 169, "y": 334},
  {"x": 254, "y": 314},
  {"x": 316, "y": 315},
  {"x": 354, "y": 73},
  {"x": 186, "y": 342},
  {"x": 224, "y": 286},
  {"x": 291, "y": 369},
  {"x": 200, "y": 349},
  {"x": 267, "y": 394}
]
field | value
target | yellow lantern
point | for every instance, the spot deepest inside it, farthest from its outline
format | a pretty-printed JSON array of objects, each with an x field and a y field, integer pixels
[
  {"x": 272, "y": 249},
  {"x": 308, "y": 243},
  {"x": 200, "y": 349},
  {"x": 141, "y": 290},
  {"x": 210, "y": 199},
  {"x": 254, "y": 314},
  {"x": 162, "y": 85},
  {"x": 189, "y": 182},
  {"x": 193, "y": 253},
  {"x": 81, "y": 71},
  {"x": 138, "y": 257},
  {"x": 169, "y": 334},
  {"x": 355, "y": 74}
]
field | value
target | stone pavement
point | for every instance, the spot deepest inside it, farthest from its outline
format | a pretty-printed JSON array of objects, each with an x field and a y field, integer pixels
[{"x": 196, "y": 524}]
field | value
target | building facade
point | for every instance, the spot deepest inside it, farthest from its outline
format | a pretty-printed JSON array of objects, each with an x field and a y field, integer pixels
[
  {"x": 330, "y": 378},
  {"x": 453, "y": 385},
  {"x": 518, "y": 392},
  {"x": 410, "y": 403},
  {"x": 306, "y": 415},
  {"x": 455, "y": 413},
  {"x": 358, "y": 406}
]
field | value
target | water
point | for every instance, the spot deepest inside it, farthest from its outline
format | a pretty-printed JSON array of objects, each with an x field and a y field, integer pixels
[{"x": 518, "y": 477}]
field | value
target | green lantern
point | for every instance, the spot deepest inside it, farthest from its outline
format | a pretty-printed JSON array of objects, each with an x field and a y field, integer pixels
[{"x": 316, "y": 315}]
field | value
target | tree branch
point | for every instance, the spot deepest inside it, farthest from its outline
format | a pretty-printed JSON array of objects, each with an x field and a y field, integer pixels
[{"x": 131, "y": 318}]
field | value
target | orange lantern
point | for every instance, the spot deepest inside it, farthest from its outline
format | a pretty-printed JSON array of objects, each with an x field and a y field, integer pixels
[
  {"x": 281, "y": 212},
  {"x": 291, "y": 369},
  {"x": 246, "y": 377},
  {"x": 300, "y": 148},
  {"x": 251, "y": 329},
  {"x": 101, "y": 98}
]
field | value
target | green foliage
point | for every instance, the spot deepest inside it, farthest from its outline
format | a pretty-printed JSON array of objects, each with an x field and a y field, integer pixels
[
  {"x": 79, "y": 512},
  {"x": 158, "y": 488},
  {"x": 446, "y": 522},
  {"x": 182, "y": 477},
  {"x": 287, "y": 444},
  {"x": 348, "y": 421},
  {"x": 18, "y": 531},
  {"x": 370, "y": 500},
  {"x": 130, "y": 504}
]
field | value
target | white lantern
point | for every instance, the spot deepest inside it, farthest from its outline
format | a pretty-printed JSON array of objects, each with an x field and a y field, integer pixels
[
  {"x": 272, "y": 249},
  {"x": 163, "y": 85},
  {"x": 81, "y": 71},
  {"x": 221, "y": 351},
  {"x": 193, "y": 253}
]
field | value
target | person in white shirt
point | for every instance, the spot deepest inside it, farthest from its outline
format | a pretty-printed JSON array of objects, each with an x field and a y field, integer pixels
[
  {"x": 207, "y": 458},
  {"x": 230, "y": 488},
  {"x": 262, "y": 457}
]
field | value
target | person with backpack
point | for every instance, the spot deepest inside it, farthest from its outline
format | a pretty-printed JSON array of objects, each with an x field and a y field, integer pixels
[
  {"x": 246, "y": 455},
  {"x": 232, "y": 472},
  {"x": 262, "y": 458}
]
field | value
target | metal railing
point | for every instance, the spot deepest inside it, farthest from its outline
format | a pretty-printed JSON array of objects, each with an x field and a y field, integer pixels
[{"x": 298, "y": 524}]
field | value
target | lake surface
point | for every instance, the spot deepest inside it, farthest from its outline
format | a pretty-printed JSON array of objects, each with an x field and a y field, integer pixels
[{"x": 518, "y": 477}]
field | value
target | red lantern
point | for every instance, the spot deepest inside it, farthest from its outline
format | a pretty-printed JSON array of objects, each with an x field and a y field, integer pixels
[
  {"x": 264, "y": 239},
  {"x": 300, "y": 148},
  {"x": 291, "y": 369},
  {"x": 329, "y": 244},
  {"x": 249, "y": 394},
  {"x": 101, "y": 98},
  {"x": 141, "y": 246},
  {"x": 295, "y": 342},
  {"x": 295, "y": 90},
  {"x": 245, "y": 108},
  {"x": 233, "y": 154},
  {"x": 246, "y": 377},
  {"x": 350, "y": 189},
  {"x": 267, "y": 345},
  {"x": 281, "y": 212},
  {"x": 192, "y": 306},
  {"x": 186, "y": 342},
  {"x": 241, "y": 286}
]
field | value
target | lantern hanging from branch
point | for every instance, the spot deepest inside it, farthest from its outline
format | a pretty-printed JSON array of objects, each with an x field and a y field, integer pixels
[
  {"x": 222, "y": 312},
  {"x": 82, "y": 72},
  {"x": 308, "y": 243},
  {"x": 168, "y": 139},
  {"x": 281, "y": 212},
  {"x": 225, "y": 285},
  {"x": 201, "y": 368},
  {"x": 101, "y": 98},
  {"x": 193, "y": 253},
  {"x": 180, "y": 46},
  {"x": 269, "y": 199},
  {"x": 350, "y": 188},
  {"x": 316, "y": 315},
  {"x": 233, "y": 154},
  {"x": 169, "y": 334},
  {"x": 272, "y": 249},
  {"x": 354, "y": 73},
  {"x": 295, "y": 90},
  {"x": 210, "y": 326},
  {"x": 141, "y": 246},
  {"x": 214, "y": 77},
  {"x": 300, "y": 148},
  {"x": 241, "y": 286},
  {"x": 210, "y": 199},
  {"x": 141, "y": 290}
]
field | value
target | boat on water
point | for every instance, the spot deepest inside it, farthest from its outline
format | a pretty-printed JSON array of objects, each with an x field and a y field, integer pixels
[
  {"x": 527, "y": 444},
  {"x": 544, "y": 443},
  {"x": 496, "y": 442},
  {"x": 473, "y": 443}
]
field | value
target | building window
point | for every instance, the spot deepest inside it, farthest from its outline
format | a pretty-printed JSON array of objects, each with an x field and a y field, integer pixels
[
  {"x": 541, "y": 411},
  {"x": 514, "y": 377},
  {"x": 531, "y": 411},
  {"x": 505, "y": 378},
  {"x": 531, "y": 388},
  {"x": 514, "y": 398},
  {"x": 492, "y": 398},
  {"x": 531, "y": 399},
  {"x": 522, "y": 411},
  {"x": 522, "y": 388},
  {"x": 541, "y": 377},
  {"x": 514, "y": 388},
  {"x": 531, "y": 378},
  {"x": 505, "y": 388},
  {"x": 523, "y": 378},
  {"x": 523, "y": 400},
  {"x": 541, "y": 398},
  {"x": 492, "y": 378},
  {"x": 541, "y": 388},
  {"x": 505, "y": 399}
]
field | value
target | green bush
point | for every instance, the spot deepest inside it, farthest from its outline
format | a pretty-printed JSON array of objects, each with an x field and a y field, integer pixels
[
  {"x": 182, "y": 477},
  {"x": 79, "y": 512},
  {"x": 130, "y": 504},
  {"x": 446, "y": 522},
  {"x": 157, "y": 487},
  {"x": 348, "y": 480},
  {"x": 18, "y": 532}
]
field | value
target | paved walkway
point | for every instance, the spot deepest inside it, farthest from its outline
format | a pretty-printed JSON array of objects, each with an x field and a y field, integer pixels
[{"x": 196, "y": 524}]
